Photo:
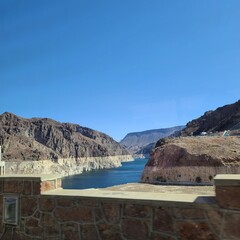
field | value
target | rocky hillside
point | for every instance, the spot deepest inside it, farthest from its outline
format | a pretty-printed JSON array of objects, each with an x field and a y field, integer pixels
[
  {"x": 136, "y": 141},
  {"x": 42, "y": 138},
  {"x": 221, "y": 119},
  {"x": 192, "y": 159}
]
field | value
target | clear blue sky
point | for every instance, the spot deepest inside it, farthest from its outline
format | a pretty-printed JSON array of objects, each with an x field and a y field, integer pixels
[{"x": 119, "y": 66}]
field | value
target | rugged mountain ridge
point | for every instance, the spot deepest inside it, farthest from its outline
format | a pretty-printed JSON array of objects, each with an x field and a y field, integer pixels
[
  {"x": 142, "y": 142},
  {"x": 197, "y": 159},
  {"x": 36, "y": 139},
  {"x": 221, "y": 119}
]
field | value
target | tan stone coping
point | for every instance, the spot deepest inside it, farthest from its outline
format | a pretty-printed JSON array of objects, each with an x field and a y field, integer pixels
[
  {"x": 29, "y": 177},
  {"x": 136, "y": 196},
  {"x": 227, "y": 180}
]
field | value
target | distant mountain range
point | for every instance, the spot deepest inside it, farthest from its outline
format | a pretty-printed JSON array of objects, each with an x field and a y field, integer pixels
[
  {"x": 34, "y": 139},
  {"x": 143, "y": 142}
]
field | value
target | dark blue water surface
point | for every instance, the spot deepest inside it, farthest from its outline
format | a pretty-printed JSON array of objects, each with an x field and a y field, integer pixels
[{"x": 129, "y": 172}]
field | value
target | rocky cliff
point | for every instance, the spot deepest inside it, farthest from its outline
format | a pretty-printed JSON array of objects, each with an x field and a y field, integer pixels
[
  {"x": 221, "y": 119},
  {"x": 192, "y": 159},
  {"x": 38, "y": 139},
  {"x": 142, "y": 142}
]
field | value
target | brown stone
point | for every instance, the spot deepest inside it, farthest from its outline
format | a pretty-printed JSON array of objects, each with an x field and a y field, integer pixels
[
  {"x": 27, "y": 187},
  {"x": 79, "y": 214},
  {"x": 228, "y": 196},
  {"x": 189, "y": 230},
  {"x": 89, "y": 232},
  {"x": 70, "y": 231},
  {"x": 89, "y": 202},
  {"x": 98, "y": 215},
  {"x": 231, "y": 227},
  {"x": 46, "y": 219},
  {"x": 177, "y": 213},
  {"x": 160, "y": 236},
  {"x": 133, "y": 210},
  {"x": 34, "y": 231},
  {"x": 109, "y": 231},
  {"x": 52, "y": 230},
  {"x": 28, "y": 206},
  {"x": 1, "y": 186},
  {"x": 36, "y": 187},
  {"x": 13, "y": 186},
  {"x": 1, "y": 205},
  {"x": 136, "y": 229},
  {"x": 193, "y": 213},
  {"x": 162, "y": 220},
  {"x": 31, "y": 222},
  {"x": 46, "y": 204},
  {"x": 111, "y": 212},
  {"x": 215, "y": 218},
  {"x": 66, "y": 202}
]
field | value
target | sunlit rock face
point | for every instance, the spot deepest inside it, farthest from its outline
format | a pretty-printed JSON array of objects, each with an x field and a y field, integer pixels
[
  {"x": 42, "y": 138},
  {"x": 221, "y": 119},
  {"x": 192, "y": 159}
]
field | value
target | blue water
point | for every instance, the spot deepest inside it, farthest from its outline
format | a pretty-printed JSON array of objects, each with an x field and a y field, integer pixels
[{"x": 129, "y": 172}]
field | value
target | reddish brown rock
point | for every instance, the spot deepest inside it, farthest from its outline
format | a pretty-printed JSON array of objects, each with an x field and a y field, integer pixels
[
  {"x": 162, "y": 221},
  {"x": 193, "y": 213},
  {"x": 228, "y": 196},
  {"x": 89, "y": 232},
  {"x": 13, "y": 186},
  {"x": 136, "y": 229},
  {"x": 215, "y": 219},
  {"x": 109, "y": 231},
  {"x": 28, "y": 206},
  {"x": 231, "y": 227},
  {"x": 111, "y": 212},
  {"x": 70, "y": 231},
  {"x": 79, "y": 214},
  {"x": 46, "y": 204},
  {"x": 189, "y": 230},
  {"x": 134, "y": 210}
]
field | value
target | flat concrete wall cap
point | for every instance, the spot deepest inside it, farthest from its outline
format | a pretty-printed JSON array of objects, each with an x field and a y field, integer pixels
[
  {"x": 227, "y": 180},
  {"x": 31, "y": 177}
]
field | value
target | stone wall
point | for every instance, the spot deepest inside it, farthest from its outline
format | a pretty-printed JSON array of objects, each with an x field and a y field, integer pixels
[
  {"x": 48, "y": 212},
  {"x": 66, "y": 166}
]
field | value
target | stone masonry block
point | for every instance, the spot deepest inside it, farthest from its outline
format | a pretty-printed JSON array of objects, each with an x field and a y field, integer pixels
[
  {"x": 231, "y": 228},
  {"x": 228, "y": 196},
  {"x": 136, "y": 229},
  {"x": 162, "y": 221},
  {"x": 139, "y": 211},
  {"x": 190, "y": 230}
]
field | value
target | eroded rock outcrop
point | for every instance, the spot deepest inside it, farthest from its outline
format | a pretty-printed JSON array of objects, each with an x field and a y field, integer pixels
[
  {"x": 192, "y": 159},
  {"x": 221, "y": 119},
  {"x": 37, "y": 139}
]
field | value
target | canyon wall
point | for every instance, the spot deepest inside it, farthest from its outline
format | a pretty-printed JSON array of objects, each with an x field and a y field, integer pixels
[
  {"x": 192, "y": 160},
  {"x": 66, "y": 166}
]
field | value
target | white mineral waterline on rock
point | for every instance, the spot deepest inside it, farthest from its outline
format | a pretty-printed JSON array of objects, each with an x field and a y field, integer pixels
[{"x": 67, "y": 166}]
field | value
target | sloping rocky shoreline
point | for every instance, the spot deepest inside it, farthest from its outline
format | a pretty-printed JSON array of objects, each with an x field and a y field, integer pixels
[{"x": 67, "y": 166}]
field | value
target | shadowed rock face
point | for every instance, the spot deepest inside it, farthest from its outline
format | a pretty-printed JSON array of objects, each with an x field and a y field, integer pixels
[
  {"x": 192, "y": 159},
  {"x": 223, "y": 118},
  {"x": 43, "y": 138}
]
